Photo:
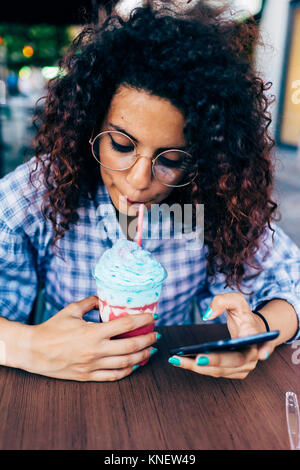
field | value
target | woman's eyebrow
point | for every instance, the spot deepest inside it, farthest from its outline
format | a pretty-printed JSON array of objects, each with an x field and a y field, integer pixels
[
  {"x": 117, "y": 128},
  {"x": 162, "y": 149}
]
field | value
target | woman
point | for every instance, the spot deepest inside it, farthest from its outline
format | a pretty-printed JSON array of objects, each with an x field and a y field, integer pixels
[{"x": 159, "y": 108}]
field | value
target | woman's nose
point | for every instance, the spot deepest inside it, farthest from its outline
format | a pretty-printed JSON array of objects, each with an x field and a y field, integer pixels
[{"x": 140, "y": 174}]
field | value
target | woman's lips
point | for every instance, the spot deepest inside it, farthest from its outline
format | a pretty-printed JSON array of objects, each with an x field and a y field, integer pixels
[{"x": 136, "y": 202}]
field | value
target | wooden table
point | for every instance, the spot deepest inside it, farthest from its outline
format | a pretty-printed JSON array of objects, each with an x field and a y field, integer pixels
[{"x": 158, "y": 407}]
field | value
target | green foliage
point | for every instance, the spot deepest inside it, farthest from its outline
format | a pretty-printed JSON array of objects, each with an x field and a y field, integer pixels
[{"x": 48, "y": 43}]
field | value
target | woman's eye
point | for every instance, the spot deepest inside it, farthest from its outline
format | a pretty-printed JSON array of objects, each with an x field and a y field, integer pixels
[
  {"x": 170, "y": 163},
  {"x": 121, "y": 148}
]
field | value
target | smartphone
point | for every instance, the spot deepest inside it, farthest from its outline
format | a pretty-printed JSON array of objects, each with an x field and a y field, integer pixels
[{"x": 234, "y": 344}]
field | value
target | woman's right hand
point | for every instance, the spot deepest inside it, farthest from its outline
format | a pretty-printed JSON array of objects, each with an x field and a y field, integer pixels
[{"x": 68, "y": 347}]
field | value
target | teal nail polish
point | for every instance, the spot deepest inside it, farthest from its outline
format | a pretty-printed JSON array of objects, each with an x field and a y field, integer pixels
[
  {"x": 267, "y": 356},
  {"x": 202, "y": 361},
  {"x": 135, "y": 367},
  {"x": 174, "y": 361},
  {"x": 158, "y": 336},
  {"x": 153, "y": 351},
  {"x": 207, "y": 314},
  {"x": 155, "y": 316}
]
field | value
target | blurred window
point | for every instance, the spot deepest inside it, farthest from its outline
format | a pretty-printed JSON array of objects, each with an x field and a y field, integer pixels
[{"x": 290, "y": 106}]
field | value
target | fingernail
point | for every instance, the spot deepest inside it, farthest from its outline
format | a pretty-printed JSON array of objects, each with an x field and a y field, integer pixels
[
  {"x": 135, "y": 367},
  {"x": 174, "y": 361},
  {"x": 202, "y": 361},
  {"x": 153, "y": 351},
  {"x": 155, "y": 316},
  {"x": 207, "y": 314},
  {"x": 158, "y": 336},
  {"x": 267, "y": 356}
]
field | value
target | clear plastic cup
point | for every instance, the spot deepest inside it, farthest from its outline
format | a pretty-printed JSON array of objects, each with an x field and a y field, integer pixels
[{"x": 129, "y": 282}]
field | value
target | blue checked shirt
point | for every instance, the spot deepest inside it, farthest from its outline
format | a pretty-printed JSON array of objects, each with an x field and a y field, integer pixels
[{"x": 27, "y": 261}]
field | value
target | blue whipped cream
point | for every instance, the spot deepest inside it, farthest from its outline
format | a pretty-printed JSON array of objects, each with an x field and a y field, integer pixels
[{"x": 128, "y": 275}]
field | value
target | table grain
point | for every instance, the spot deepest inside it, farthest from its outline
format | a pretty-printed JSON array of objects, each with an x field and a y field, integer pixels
[{"x": 158, "y": 407}]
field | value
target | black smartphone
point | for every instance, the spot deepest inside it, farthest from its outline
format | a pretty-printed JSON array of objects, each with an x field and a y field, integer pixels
[{"x": 234, "y": 344}]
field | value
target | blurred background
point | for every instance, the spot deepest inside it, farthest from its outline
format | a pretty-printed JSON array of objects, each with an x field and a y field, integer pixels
[{"x": 33, "y": 37}]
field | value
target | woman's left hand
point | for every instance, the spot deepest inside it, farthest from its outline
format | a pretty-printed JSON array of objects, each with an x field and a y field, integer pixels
[{"x": 241, "y": 321}]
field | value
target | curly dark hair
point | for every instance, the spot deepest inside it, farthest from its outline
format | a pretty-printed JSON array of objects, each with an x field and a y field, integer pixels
[{"x": 201, "y": 62}]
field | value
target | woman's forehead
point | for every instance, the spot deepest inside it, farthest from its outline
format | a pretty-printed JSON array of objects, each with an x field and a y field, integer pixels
[{"x": 144, "y": 116}]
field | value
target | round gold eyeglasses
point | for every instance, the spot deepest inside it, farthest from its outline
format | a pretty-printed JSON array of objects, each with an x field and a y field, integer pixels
[{"x": 116, "y": 151}]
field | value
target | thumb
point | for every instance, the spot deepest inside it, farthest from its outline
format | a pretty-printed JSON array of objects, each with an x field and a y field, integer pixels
[
  {"x": 265, "y": 351},
  {"x": 81, "y": 307}
]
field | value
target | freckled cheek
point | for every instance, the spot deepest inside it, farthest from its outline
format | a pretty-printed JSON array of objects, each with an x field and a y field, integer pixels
[
  {"x": 161, "y": 191},
  {"x": 108, "y": 178}
]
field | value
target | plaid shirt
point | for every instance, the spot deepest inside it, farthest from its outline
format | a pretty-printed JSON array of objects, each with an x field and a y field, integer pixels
[{"x": 27, "y": 261}]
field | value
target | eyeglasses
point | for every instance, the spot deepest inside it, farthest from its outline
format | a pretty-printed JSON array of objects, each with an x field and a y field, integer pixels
[{"x": 118, "y": 152}]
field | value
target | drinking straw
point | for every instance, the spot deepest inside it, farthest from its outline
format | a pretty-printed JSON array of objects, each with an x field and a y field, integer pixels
[{"x": 140, "y": 225}]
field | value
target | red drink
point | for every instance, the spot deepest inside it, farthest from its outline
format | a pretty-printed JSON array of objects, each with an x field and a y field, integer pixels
[{"x": 109, "y": 312}]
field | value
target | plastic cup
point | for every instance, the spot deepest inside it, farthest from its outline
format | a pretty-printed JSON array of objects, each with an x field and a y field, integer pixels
[
  {"x": 129, "y": 282},
  {"x": 111, "y": 312}
]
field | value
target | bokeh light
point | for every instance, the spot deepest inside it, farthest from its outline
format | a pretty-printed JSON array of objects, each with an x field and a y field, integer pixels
[
  {"x": 50, "y": 72},
  {"x": 24, "y": 72},
  {"x": 28, "y": 51}
]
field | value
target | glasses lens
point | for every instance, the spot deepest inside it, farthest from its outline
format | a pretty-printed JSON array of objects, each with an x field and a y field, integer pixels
[
  {"x": 175, "y": 168},
  {"x": 114, "y": 150}
]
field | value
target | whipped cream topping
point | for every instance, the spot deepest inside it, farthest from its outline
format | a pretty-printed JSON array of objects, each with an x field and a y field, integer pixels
[{"x": 126, "y": 274}]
